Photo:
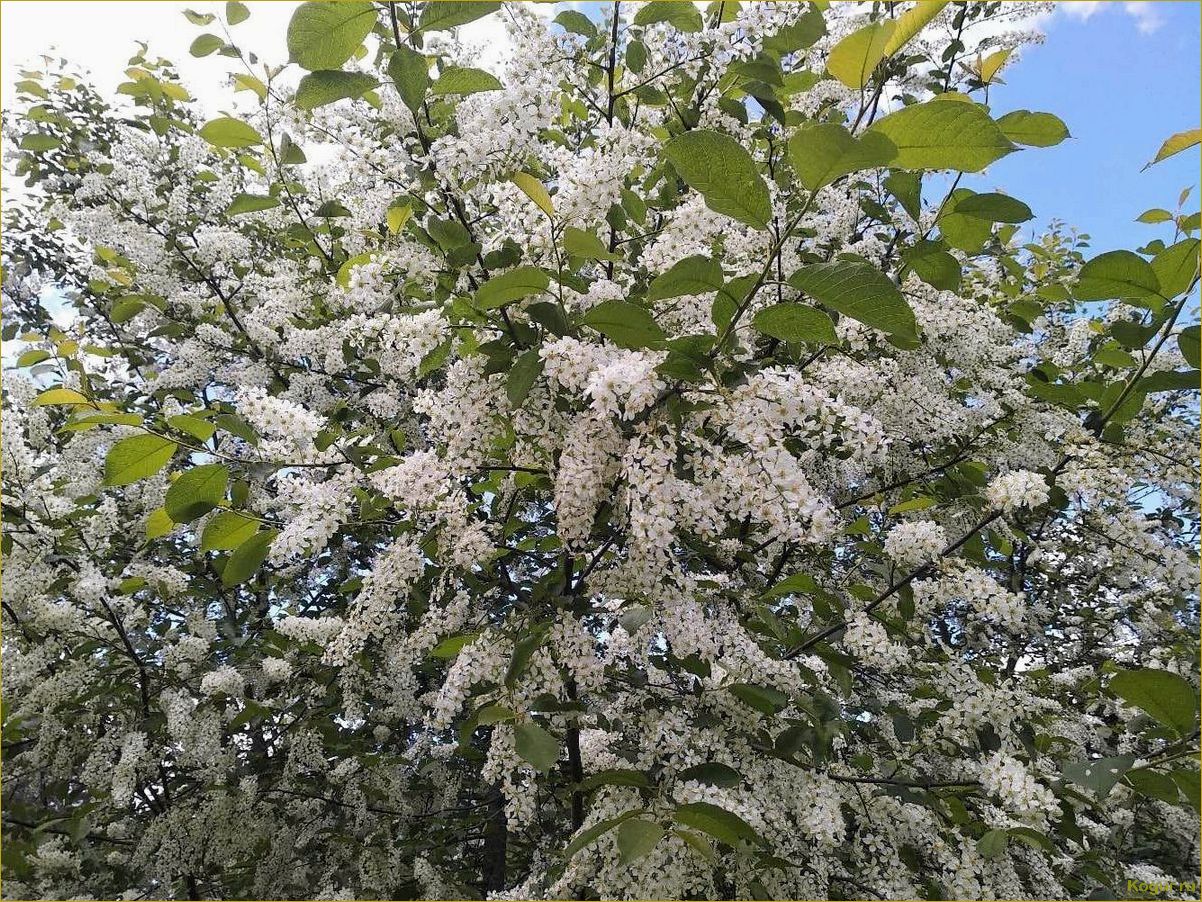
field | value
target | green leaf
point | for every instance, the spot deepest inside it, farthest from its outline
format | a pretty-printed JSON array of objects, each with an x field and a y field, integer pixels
[
  {"x": 236, "y": 12},
  {"x": 397, "y": 217},
  {"x": 855, "y": 57},
  {"x": 494, "y": 714},
  {"x": 159, "y": 523},
  {"x": 1033, "y": 129},
  {"x": 615, "y": 777},
  {"x": 1188, "y": 781},
  {"x": 994, "y": 208},
  {"x": 626, "y": 325},
  {"x": 1100, "y": 774},
  {"x": 39, "y": 143},
  {"x": 198, "y": 18},
  {"x": 796, "y": 322},
  {"x": 698, "y": 844},
  {"x": 521, "y": 377},
  {"x": 637, "y": 837},
  {"x": 764, "y": 699},
  {"x": 823, "y": 152},
  {"x": 911, "y": 22},
  {"x": 1176, "y": 266},
  {"x": 724, "y": 173},
  {"x": 1116, "y": 274},
  {"x": 326, "y": 35},
  {"x": 860, "y": 291},
  {"x": 452, "y": 645},
  {"x": 719, "y": 823},
  {"x": 251, "y": 203},
  {"x": 692, "y": 275},
  {"x": 246, "y": 559},
  {"x": 934, "y": 265},
  {"x": 536, "y": 745},
  {"x": 1155, "y": 215},
  {"x": 1187, "y": 341},
  {"x": 713, "y": 773},
  {"x": 196, "y": 492},
  {"x": 319, "y": 88},
  {"x": 580, "y": 243},
  {"x": 463, "y": 80},
  {"x": 535, "y": 190},
  {"x": 53, "y": 397},
  {"x": 1154, "y": 785},
  {"x": 511, "y": 286},
  {"x": 576, "y": 22},
  {"x": 247, "y": 82},
  {"x": 411, "y": 73},
  {"x": 200, "y": 429},
  {"x": 1167, "y": 697},
  {"x": 226, "y": 530},
  {"x": 907, "y": 188},
  {"x": 37, "y": 355},
  {"x": 137, "y": 457},
  {"x": 993, "y": 843},
  {"x": 944, "y": 134},
  {"x": 206, "y": 44},
  {"x": 227, "y": 132},
  {"x": 452, "y": 13},
  {"x": 683, "y": 16},
  {"x": 1175, "y": 144},
  {"x": 596, "y": 831}
]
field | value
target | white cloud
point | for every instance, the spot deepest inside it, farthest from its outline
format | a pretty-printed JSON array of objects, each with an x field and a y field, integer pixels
[{"x": 1147, "y": 18}]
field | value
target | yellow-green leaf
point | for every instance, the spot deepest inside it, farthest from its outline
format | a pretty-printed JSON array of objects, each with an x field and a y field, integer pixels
[
  {"x": 56, "y": 396},
  {"x": 990, "y": 65},
  {"x": 911, "y": 22},
  {"x": 856, "y": 56},
  {"x": 1177, "y": 143},
  {"x": 534, "y": 190}
]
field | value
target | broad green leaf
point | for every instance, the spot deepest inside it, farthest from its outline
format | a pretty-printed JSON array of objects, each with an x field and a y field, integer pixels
[
  {"x": 159, "y": 523},
  {"x": 680, "y": 14},
  {"x": 713, "y": 773},
  {"x": 992, "y": 64},
  {"x": 53, "y": 397},
  {"x": 967, "y": 233},
  {"x": 993, "y": 843},
  {"x": 197, "y": 427},
  {"x": 1176, "y": 266},
  {"x": 251, "y": 203},
  {"x": 196, "y": 492},
  {"x": 764, "y": 699},
  {"x": 615, "y": 777},
  {"x": 39, "y": 143},
  {"x": 822, "y": 152},
  {"x": 934, "y": 265},
  {"x": 796, "y": 322},
  {"x": 1187, "y": 340},
  {"x": 246, "y": 82},
  {"x": 1154, "y": 785},
  {"x": 227, "y": 132},
  {"x": 1175, "y": 144},
  {"x": 396, "y": 218},
  {"x": 319, "y": 88},
  {"x": 626, "y": 325},
  {"x": 637, "y": 837},
  {"x": 206, "y": 44},
  {"x": 719, "y": 823},
  {"x": 236, "y": 12},
  {"x": 137, "y": 457},
  {"x": 943, "y": 134},
  {"x": 447, "y": 14},
  {"x": 724, "y": 173},
  {"x": 535, "y": 190},
  {"x": 1116, "y": 274},
  {"x": 410, "y": 72},
  {"x": 536, "y": 745},
  {"x": 856, "y": 56},
  {"x": 1167, "y": 697},
  {"x": 521, "y": 377},
  {"x": 596, "y": 831},
  {"x": 1155, "y": 215},
  {"x": 994, "y": 208},
  {"x": 911, "y": 22},
  {"x": 1188, "y": 781},
  {"x": 36, "y": 355},
  {"x": 452, "y": 645},
  {"x": 698, "y": 844},
  {"x": 692, "y": 275},
  {"x": 494, "y": 714},
  {"x": 326, "y": 35},
  {"x": 576, "y": 22},
  {"x": 511, "y": 286},
  {"x": 860, "y": 291},
  {"x": 246, "y": 559},
  {"x": 226, "y": 530},
  {"x": 1033, "y": 129},
  {"x": 580, "y": 243},
  {"x": 463, "y": 80},
  {"x": 907, "y": 188},
  {"x": 198, "y": 18},
  {"x": 1099, "y": 774}
]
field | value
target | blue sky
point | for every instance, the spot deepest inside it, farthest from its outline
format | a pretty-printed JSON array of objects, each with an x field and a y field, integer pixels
[{"x": 1122, "y": 81}]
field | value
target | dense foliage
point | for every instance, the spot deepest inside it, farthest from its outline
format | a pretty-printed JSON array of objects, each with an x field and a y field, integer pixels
[{"x": 643, "y": 469}]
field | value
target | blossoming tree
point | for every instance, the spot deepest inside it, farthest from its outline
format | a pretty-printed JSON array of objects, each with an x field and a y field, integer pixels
[{"x": 638, "y": 468}]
